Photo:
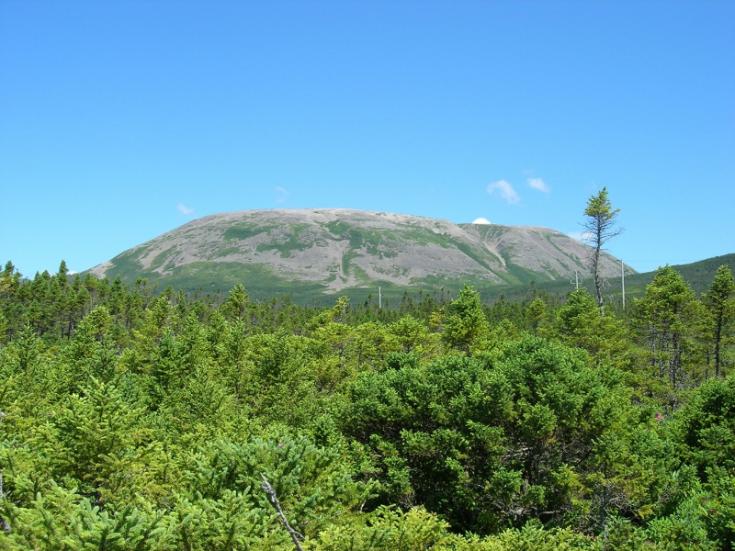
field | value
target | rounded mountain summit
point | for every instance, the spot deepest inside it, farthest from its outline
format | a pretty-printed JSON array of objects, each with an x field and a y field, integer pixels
[{"x": 322, "y": 251}]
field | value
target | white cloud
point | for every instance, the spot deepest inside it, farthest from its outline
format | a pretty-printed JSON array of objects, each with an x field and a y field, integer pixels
[
  {"x": 581, "y": 236},
  {"x": 539, "y": 185},
  {"x": 183, "y": 209},
  {"x": 282, "y": 194},
  {"x": 505, "y": 190},
  {"x": 481, "y": 221}
]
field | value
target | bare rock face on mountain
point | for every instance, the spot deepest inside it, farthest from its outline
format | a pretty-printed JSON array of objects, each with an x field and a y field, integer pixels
[{"x": 333, "y": 250}]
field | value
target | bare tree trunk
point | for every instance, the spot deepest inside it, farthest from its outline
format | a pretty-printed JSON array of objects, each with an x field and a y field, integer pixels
[
  {"x": 4, "y": 524},
  {"x": 596, "y": 267},
  {"x": 718, "y": 340},
  {"x": 675, "y": 365},
  {"x": 296, "y": 537}
]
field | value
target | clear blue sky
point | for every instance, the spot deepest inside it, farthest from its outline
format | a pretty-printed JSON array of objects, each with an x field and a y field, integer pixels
[{"x": 117, "y": 116}]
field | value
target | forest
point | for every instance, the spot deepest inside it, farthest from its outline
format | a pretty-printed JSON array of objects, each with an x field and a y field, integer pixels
[{"x": 134, "y": 419}]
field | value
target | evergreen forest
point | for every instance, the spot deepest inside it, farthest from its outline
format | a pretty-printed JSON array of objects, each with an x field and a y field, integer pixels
[{"x": 137, "y": 420}]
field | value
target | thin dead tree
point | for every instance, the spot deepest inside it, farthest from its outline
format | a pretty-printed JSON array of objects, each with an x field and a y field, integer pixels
[
  {"x": 296, "y": 537},
  {"x": 4, "y": 524}
]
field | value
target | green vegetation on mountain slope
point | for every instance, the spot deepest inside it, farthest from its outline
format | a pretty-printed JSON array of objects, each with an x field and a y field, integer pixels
[
  {"x": 699, "y": 275},
  {"x": 263, "y": 284}
]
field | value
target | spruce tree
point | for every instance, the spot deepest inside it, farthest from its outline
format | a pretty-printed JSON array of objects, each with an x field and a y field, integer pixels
[
  {"x": 667, "y": 318},
  {"x": 465, "y": 320},
  {"x": 600, "y": 228},
  {"x": 720, "y": 301}
]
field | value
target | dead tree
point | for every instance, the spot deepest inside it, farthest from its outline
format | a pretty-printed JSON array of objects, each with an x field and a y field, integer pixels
[{"x": 296, "y": 537}]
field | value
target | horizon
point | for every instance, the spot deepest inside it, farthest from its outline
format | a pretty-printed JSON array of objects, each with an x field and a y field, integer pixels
[
  {"x": 122, "y": 122},
  {"x": 579, "y": 238},
  {"x": 576, "y": 236}
]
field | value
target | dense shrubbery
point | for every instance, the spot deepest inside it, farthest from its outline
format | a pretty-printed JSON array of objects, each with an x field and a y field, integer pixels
[{"x": 134, "y": 421}]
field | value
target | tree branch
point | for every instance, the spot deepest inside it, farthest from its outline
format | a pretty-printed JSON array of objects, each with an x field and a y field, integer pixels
[
  {"x": 4, "y": 524},
  {"x": 296, "y": 537}
]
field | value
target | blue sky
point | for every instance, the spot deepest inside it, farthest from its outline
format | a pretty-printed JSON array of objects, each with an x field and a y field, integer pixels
[{"x": 122, "y": 120}]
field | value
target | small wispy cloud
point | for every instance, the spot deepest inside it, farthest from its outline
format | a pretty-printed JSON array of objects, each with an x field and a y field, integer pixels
[
  {"x": 183, "y": 209},
  {"x": 505, "y": 190},
  {"x": 282, "y": 194},
  {"x": 581, "y": 236},
  {"x": 481, "y": 221},
  {"x": 539, "y": 185}
]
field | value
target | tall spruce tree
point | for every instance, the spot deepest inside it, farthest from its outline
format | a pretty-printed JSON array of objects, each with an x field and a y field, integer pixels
[
  {"x": 720, "y": 301},
  {"x": 600, "y": 228},
  {"x": 667, "y": 318}
]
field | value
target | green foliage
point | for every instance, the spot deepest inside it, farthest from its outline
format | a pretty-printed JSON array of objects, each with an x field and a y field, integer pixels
[
  {"x": 536, "y": 314},
  {"x": 720, "y": 302},
  {"x": 598, "y": 206},
  {"x": 137, "y": 421},
  {"x": 493, "y": 443},
  {"x": 600, "y": 226},
  {"x": 668, "y": 319},
  {"x": 707, "y": 427},
  {"x": 245, "y": 230},
  {"x": 465, "y": 322},
  {"x": 235, "y": 307},
  {"x": 291, "y": 242},
  {"x": 580, "y": 323}
]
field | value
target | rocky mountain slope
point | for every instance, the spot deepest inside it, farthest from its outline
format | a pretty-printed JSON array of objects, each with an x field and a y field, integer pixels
[{"x": 332, "y": 250}]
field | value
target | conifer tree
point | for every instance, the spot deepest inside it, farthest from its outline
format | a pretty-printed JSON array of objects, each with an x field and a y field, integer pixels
[
  {"x": 62, "y": 274},
  {"x": 235, "y": 307},
  {"x": 535, "y": 313},
  {"x": 465, "y": 320},
  {"x": 600, "y": 228},
  {"x": 720, "y": 301},
  {"x": 147, "y": 422},
  {"x": 3, "y": 327},
  {"x": 667, "y": 316},
  {"x": 579, "y": 323}
]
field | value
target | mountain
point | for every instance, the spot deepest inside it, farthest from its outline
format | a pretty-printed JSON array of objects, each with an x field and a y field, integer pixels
[
  {"x": 324, "y": 251},
  {"x": 698, "y": 275}
]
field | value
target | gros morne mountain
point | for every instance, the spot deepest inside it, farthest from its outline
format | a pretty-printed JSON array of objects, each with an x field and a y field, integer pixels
[{"x": 336, "y": 250}]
